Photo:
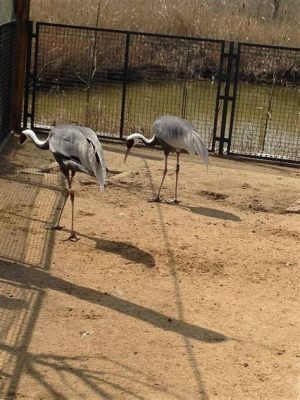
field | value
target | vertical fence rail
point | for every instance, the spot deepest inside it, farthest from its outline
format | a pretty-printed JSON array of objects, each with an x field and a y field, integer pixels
[
  {"x": 234, "y": 96},
  {"x": 126, "y": 57},
  {"x": 7, "y": 48},
  {"x": 34, "y": 75},
  {"x": 28, "y": 76},
  {"x": 225, "y": 97},
  {"x": 218, "y": 100},
  {"x": 21, "y": 8}
]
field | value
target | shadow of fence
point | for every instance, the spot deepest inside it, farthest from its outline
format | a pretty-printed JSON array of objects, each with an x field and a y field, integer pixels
[
  {"x": 24, "y": 240},
  {"x": 28, "y": 201}
]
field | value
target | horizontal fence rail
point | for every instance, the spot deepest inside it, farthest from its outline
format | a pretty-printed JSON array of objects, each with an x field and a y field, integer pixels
[
  {"x": 242, "y": 98},
  {"x": 7, "y": 45}
]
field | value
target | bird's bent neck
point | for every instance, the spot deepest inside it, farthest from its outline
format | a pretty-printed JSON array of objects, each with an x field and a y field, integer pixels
[
  {"x": 151, "y": 141},
  {"x": 41, "y": 144}
]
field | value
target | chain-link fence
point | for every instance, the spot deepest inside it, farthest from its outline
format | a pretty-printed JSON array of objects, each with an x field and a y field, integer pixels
[
  {"x": 267, "y": 113},
  {"x": 7, "y": 40}
]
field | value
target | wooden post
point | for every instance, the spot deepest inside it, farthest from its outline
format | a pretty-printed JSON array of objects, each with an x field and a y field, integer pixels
[{"x": 21, "y": 8}]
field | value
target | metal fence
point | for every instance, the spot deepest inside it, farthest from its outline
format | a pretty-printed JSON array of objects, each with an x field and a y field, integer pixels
[
  {"x": 7, "y": 37},
  {"x": 244, "y": 99},
  {"x": 267, "y": 113},
  {"x": 119, "y": 82}
]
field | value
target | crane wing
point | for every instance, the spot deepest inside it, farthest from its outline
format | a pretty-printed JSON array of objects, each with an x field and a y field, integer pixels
[
  {"x": 179, "y": 134},
  {"x": 95, "y": 155},
  {"x": 79, "y": 145}
]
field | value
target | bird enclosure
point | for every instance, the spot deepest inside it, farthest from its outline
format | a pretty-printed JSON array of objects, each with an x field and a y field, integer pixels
[
  {"x": 192, "y": 301},
  {"x": 243, "y": 98}
]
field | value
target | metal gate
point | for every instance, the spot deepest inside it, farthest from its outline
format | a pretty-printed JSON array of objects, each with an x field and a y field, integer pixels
[
  {"x": 266, "y": 121},
  {"x": 118, "y": 82}
]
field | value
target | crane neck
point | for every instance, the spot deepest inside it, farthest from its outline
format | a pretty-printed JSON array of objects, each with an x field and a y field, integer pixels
[
  {"x": 151, "y": 141},
  {"x": 41, "y": 144}
]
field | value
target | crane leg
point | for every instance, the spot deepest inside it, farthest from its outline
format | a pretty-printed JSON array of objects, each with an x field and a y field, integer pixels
[
  {"x": 157, "y": 197},
  {"x": 69, "y": 178},
  {"x": 72, "y": 236},
  {"x": 56, "y": 225},
  {"x": 175, "y": 201}
]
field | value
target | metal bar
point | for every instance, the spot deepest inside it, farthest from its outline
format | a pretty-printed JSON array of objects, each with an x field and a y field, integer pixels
[
  {"x": 222, "y": 97},
  {"x": 124, "y": 85},
  {"x": 139, "y": 33},
  {"x": 226, "y": 95},
  {"x": 26, "y": 113},
  {"x": 22, "y": 17},
  {"x": 234, "y": 95},
  {"x": 7, "y": 35},
  {"x": 184, "y": 91},
  {"x": 35, "y": 66},
  {"x": 269, "y": 46},
  {"x": 217, "y": 107},
  {"x": 272, "y": 160}
]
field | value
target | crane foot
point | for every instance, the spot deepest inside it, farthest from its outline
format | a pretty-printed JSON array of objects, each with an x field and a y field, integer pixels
[
  {"x": 173, "y": 201},
  {"x": 72, "y": 237},
  {"x": 155, "y": 199},
  {"x": 55, "y": 227}
]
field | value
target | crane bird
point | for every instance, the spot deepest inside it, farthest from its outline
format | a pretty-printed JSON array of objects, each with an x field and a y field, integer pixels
[
  {"x": 76, "y": 149},
  {"x": 174, "y": 135}
]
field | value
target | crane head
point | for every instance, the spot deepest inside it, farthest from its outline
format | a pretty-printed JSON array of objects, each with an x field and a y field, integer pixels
[
  {"x": 129, "y": 143},
  {"x": 22, "y": 138}
]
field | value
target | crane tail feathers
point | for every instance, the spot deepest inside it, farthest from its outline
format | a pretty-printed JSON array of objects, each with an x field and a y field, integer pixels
[
  {"x": 97, "y": 162},
  {"x": 100, "y": 169},
  {"x": 200, "y": 148}
]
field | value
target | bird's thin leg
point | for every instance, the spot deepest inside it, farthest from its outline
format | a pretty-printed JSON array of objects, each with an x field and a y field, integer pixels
[
  {"x": 69, "y": 181},
  {"x": 175, "y": 201},
  {"x": 72, "y": 236},
  {"x": 157, "y": 197},
  {"x": 57, "y": 226},
  {"x": 177, "y": 175}
]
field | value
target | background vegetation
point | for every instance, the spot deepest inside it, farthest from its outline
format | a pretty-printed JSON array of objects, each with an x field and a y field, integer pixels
[{"x": 260, "y": 21}]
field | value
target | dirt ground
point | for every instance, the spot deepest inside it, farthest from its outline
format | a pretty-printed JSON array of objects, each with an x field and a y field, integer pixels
[{"x": 155, "y": 301}]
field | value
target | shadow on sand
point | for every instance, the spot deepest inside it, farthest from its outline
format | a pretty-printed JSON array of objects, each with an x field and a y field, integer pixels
[
  {"x": 126, "y": 250},
  {"x": 31, "y": 277},
  {"x": 211, "y": 212}
]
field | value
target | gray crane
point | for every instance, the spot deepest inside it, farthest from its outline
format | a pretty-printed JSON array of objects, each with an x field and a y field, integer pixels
[
  {"x": 76, "y": 149},
  {"x": 174, "y": 135}
]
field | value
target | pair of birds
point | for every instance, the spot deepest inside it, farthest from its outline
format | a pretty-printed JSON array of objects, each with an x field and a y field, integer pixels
[{"x": 77, "y": 149}]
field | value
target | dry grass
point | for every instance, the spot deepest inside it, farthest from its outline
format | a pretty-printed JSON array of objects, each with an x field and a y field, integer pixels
[{"x": 253, "y": 21}]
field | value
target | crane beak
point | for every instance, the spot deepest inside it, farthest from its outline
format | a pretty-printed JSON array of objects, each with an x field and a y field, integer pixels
[
  {"x": 126, "y": 155},
  {"x": 22, "y": 138}
]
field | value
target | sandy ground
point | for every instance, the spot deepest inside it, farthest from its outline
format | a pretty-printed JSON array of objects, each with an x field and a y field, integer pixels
[{"x": 155, "y": 301}]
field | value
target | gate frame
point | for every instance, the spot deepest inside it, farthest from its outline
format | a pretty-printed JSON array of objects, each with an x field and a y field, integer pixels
[
  {"x": 34, "y": 36},
  {"x": 277, "y": 160}
]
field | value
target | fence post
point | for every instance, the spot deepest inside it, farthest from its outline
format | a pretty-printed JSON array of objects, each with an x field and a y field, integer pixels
[
  {"x": 226, "y": 98},
  {"x": 22, "y": 8},
  {"x": 124, "y": 85},
  {"x": 234, "y": 93}
]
